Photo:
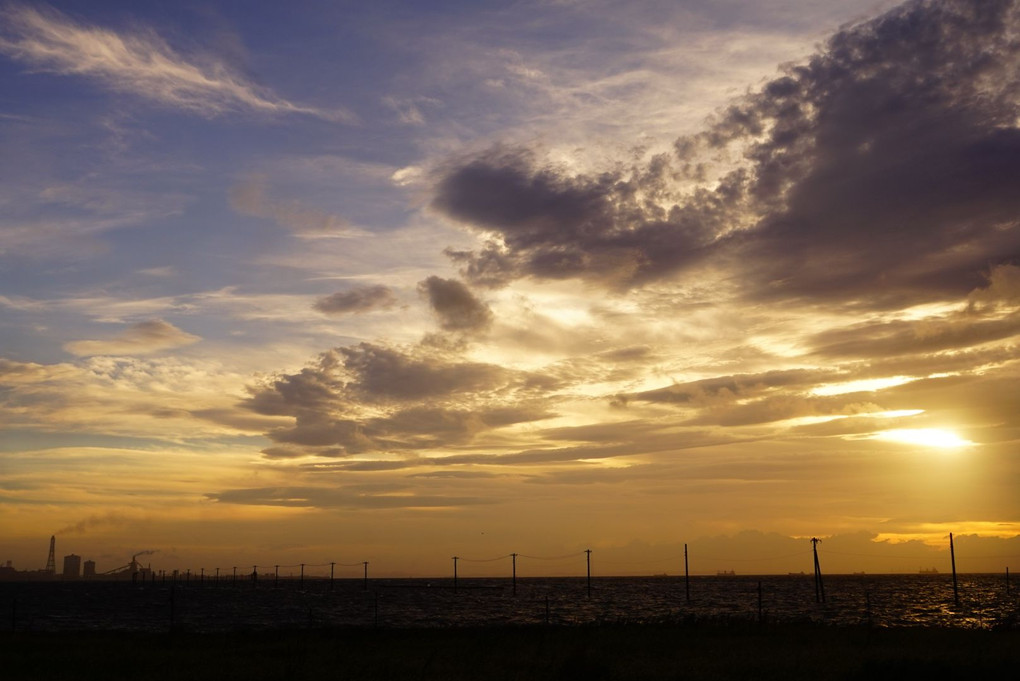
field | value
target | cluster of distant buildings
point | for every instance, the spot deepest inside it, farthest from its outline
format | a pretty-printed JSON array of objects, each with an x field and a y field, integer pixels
[{"x": 74, "y": 568}]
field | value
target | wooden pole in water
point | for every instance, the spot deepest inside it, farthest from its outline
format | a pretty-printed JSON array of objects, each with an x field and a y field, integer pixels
[
  {"x": 455, "y": 572},
  {"x": 687, "y": 576},
  {"x": 1007, "y": 580},
  {"x": 759, "y": 603},
  {"x": 331, "y": 566},
  {"x": 514, "y": 578},
  {"x": 819, "y": 587},
  {"x": 365, "y": 563},
  {"x": 276, "y": 576},
  {"x": 952, "y": 558},
  {"x": 588, "y": 552}
]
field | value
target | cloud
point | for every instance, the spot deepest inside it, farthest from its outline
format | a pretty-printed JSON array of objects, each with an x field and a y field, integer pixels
[
  {"x": 252, "y": 198},
  {"x": 370, "y": 398},
  {"x": 339, "y": 498},
  {"x": 455, "y": 306},
  {"x": 105, "y": 399},
  {"x": 14, "y": 373},
  {"x": 733, "y": 387},
  {"x": 140, "y": 63},
  {"x": 357, "y": 300},
  {"x": 1002, "y": 291},
  {"x": 42, "y": 229},
  {"x": 236, "y": 418},
  {"x": 409, "y": 110},
  {"x": 889, "y": 161},
  {"x": 938, "y": 387},
  {"x": 547, "y": 224},
  {"x": 881, "y": 169},
  {"x": 887, "y": 339},
  {"x": 382, "y": 374},
  {"x": 143, "y": 338}
]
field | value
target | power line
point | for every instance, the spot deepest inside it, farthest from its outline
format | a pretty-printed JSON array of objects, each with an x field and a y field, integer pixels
[
  {"x": 486, "y": 560},
  {"x": 569, "y": 555}
]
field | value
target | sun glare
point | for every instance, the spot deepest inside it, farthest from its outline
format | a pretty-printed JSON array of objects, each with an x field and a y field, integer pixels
[{"x": 926, "y": 437}]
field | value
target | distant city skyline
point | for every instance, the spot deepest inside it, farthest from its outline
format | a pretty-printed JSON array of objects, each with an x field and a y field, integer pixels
[{"x": 397, "y": 281}]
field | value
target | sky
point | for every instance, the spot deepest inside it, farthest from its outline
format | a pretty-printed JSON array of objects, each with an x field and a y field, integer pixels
[{"x": 318, "y": 282}]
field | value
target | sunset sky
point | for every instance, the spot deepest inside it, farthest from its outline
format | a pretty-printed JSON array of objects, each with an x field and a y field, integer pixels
[{"x": 396, "y": 281}]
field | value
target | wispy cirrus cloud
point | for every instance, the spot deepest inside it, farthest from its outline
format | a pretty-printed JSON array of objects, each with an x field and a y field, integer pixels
[
  {"x": 143, "y": 338},
  {"x": 252, "y": 198},
  {"x": 154, "y": 397},
  {"x": 140, "y": 63},
  {"x": 301, "y": 497}
]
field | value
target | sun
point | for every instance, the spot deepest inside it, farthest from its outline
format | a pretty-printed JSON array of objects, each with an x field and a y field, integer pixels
[{"x": 926, "y": 437}]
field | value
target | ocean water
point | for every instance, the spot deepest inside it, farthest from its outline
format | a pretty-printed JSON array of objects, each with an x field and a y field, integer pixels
[{"x": 209, "y": 606}]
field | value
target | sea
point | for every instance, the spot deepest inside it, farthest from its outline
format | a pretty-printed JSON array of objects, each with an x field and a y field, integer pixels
[{"x": 978, "y": 601}]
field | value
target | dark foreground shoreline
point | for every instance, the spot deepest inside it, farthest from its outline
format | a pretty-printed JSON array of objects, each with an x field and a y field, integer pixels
[{"x": 591, "y": 653}]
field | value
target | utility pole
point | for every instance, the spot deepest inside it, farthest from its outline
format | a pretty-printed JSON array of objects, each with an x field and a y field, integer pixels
[
  {"x": 819, "y": 587},
  {"x": 687, "y": 576},
  {"x": 952, "y": 558},
  {"x": 514, "y": 556},
  {"x": 588, "y": 560}
]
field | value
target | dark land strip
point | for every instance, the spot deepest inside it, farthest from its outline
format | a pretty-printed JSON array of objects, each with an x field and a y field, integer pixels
[{"x": 561, "y": 653}]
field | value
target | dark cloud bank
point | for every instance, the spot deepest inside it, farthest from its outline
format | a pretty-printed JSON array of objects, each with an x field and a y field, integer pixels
[{"x": 886, "y": 167}]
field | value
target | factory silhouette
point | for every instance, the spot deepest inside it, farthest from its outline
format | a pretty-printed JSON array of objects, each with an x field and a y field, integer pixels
[{"x": 74, "y": 569}]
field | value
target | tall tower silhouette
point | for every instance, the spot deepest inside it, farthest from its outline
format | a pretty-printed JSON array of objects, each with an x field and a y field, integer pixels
[{"x": 51, "y": 561}]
